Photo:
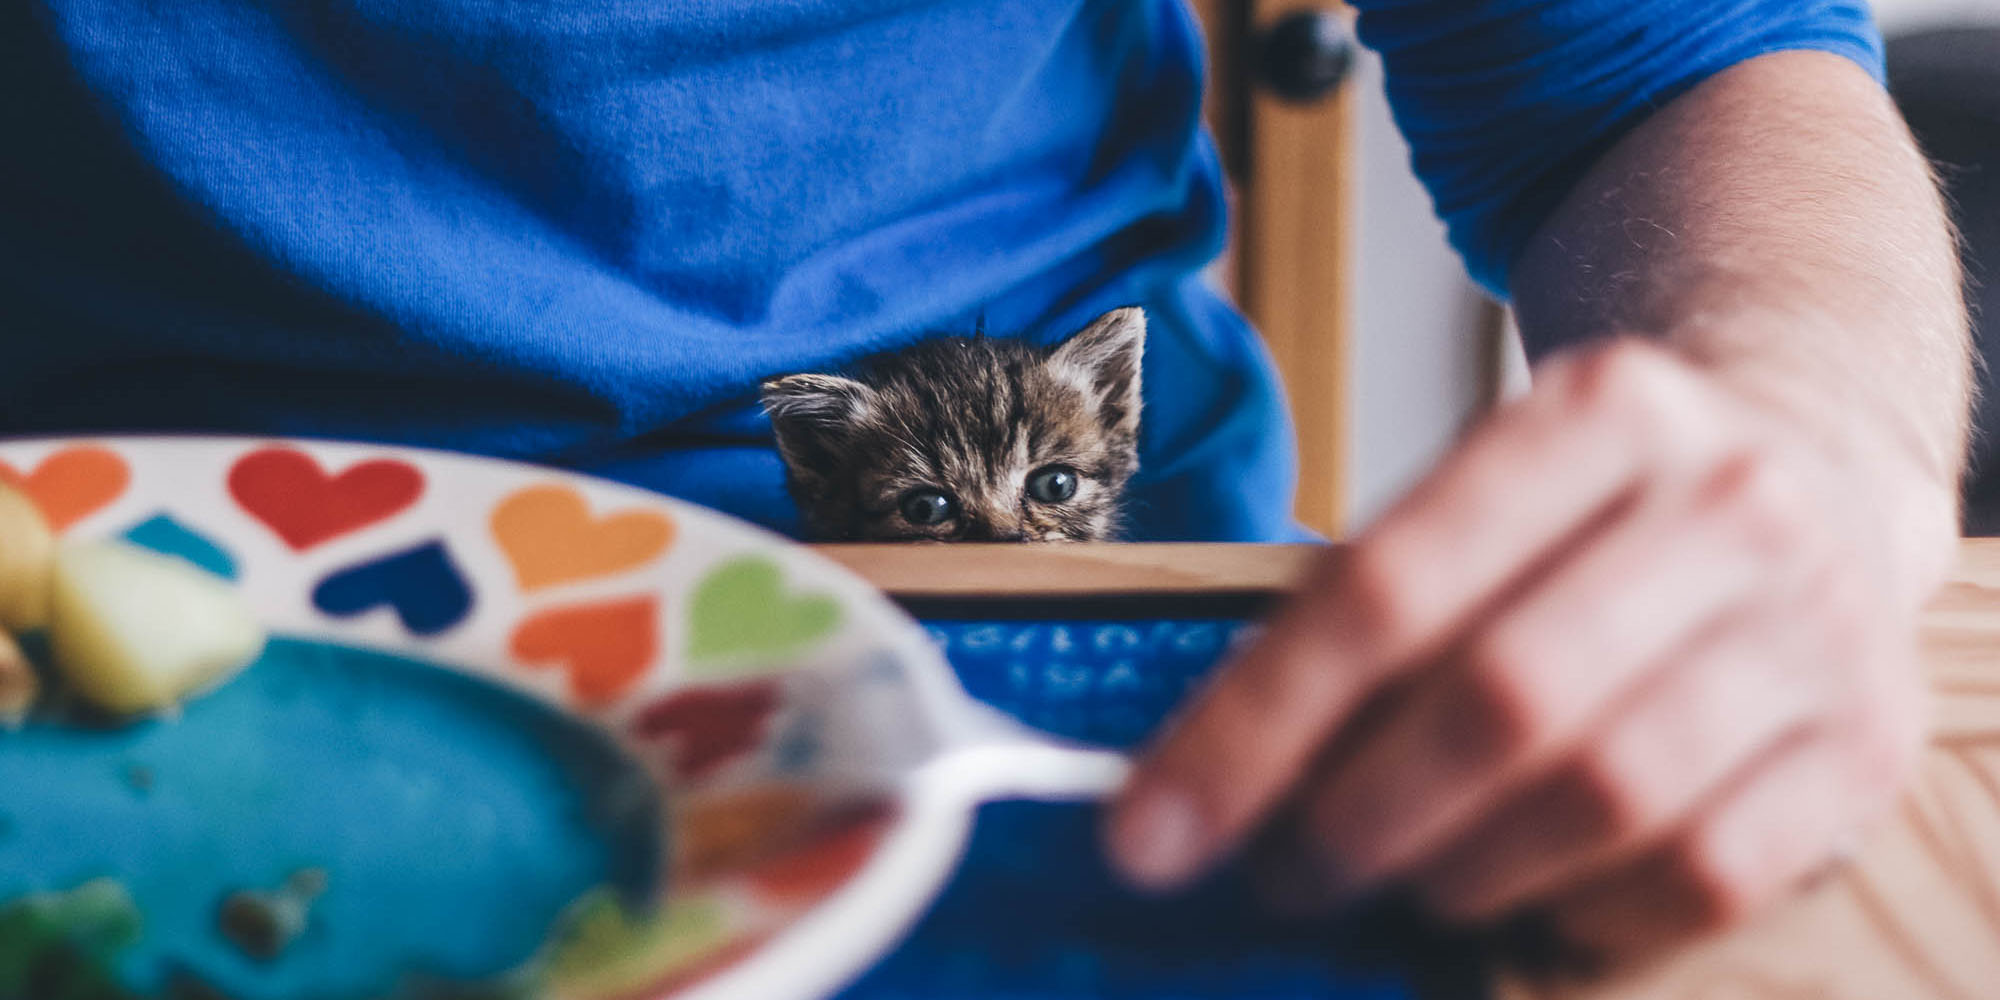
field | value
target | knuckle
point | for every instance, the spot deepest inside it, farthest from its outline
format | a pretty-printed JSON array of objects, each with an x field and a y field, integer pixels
[
  {"x": 1885, "y": 751},
  {"x": 1603, "y": 376},
  {"x": 1627, "y": 376},
  {"x": 1646, "y": 394},
  {"x": 1379, "y": 605},
  {"x": 1718, "y": 893},
  {"x": 1618, "y": 808},
  {"x": 1765, "y": 504},
  {"x": 1456, "y": 903},
  {"x": 1338, "y": 835},
  {"x": 1498, "y": 708}
]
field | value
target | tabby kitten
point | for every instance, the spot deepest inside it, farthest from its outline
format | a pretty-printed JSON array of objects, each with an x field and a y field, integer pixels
[{"x": 967, "y": 439}]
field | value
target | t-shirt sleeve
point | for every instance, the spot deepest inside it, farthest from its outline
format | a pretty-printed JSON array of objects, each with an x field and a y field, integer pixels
[{"x": 1507, "y": 102}]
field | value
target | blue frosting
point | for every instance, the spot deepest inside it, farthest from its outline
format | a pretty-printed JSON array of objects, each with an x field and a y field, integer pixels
[
  {"x": 455, "y": 821},
  {"x": 164, "y": 535}
]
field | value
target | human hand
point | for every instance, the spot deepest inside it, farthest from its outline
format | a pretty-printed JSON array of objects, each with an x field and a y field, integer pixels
[{"x": 1640, "y": 654}]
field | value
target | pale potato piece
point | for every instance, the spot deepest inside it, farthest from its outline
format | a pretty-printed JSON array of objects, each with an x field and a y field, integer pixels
[
  {"x": 135, "y": 631},
  {"x": 26, "y": 549},
  {"x": 18, "y": 683}
]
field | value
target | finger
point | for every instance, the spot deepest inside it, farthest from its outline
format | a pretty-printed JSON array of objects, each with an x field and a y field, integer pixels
[
  {"x": 1528, "y": 481},
  {"x": 1543, "y": 470},
  {"x": 1532, "y": 683},
  {"x": 1244, "y": 742},
  {"x": 1742, "y": 691},
  {"x": 1787, "y": 822}
]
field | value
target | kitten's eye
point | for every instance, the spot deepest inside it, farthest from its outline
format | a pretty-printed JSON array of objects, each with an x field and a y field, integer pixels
[
  {"x": 927, "y": 507},
  {"x": 1052, "y": 483}
]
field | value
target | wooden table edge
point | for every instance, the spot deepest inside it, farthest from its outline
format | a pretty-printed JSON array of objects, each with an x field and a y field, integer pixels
[
  {"x": 1098, "y": 570},
  {"x": 1075, "y": 569}
]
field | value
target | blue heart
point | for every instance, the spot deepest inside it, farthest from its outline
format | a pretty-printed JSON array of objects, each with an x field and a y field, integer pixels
[
  {"x": 427, "y": 591},
  {"x": 165, "y": 535},
  {"x": 801, "y": 747}
]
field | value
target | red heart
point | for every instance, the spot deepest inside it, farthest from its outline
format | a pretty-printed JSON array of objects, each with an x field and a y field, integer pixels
[
  {"x": 709, "y": 727},
  {"x": 831, "y": 856},
  {"x": 606, "y": 646},
  {"x": 286, "y": 489}
]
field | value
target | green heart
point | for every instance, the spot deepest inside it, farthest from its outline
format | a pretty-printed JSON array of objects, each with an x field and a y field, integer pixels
[
  {"x": 605, "y": 949},
  {"x": 741, "y": 611}
]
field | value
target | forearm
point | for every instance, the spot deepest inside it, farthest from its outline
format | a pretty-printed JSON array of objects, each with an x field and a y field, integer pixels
[
  {"x": 1778, "y": 225},
  {"x": 1640, "y": 653}
]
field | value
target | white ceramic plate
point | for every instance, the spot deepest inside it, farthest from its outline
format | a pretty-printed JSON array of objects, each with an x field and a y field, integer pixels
[{"x": 703, "y": 646}]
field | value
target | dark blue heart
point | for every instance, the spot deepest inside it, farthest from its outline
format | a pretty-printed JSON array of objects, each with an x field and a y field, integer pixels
[{"x": 427, "y": 591}]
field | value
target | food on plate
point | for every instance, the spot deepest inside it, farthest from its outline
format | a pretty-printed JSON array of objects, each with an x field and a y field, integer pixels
[
  {"x": 18, "y": 683},
  {"x": 609, "y": 951},
  {"x": 27, "y": 547},
  {"x": 133, "y": 631},
  {"x": 262, "y": 924},
  {"x": 383, "y": 798},
  {"x": 62, "y": 945}
]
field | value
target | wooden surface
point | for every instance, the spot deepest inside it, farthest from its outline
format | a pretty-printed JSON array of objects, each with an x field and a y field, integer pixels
[
  {"x": 1916, "y": 916},
  {"x": 1071, "y": 571},
  {"x": 1289, "y": 262},
  {"x": 1296, "y": 264}
]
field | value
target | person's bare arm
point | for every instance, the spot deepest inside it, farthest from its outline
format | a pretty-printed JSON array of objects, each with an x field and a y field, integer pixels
[
  {"x": 1780, "y": 227},
  {"x": 1647, "y": 635}
]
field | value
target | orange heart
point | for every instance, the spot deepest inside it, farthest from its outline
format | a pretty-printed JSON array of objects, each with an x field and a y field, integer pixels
[
  {"x": 73, "y": 483},
  {"x": 606, "y": 646},
  {"x": 550, "y": 537}
]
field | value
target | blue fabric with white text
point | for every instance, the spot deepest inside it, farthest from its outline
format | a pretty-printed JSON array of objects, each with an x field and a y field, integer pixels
[{"x": 1033, "y": 912}]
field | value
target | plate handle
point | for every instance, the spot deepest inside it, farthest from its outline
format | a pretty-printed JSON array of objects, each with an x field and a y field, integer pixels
[{"x": 993, "y": 757}]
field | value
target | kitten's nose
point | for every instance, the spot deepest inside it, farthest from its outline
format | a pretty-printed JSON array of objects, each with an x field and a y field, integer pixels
[{"x": 985, "y": 531}]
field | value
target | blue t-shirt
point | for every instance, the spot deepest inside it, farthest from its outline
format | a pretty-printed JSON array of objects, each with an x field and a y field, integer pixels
[{"x": 582, "y": 233}]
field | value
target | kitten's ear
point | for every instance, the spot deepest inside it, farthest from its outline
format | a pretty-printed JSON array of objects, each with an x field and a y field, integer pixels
[
  {"x": 815, "y": 400},
  {"x": 810, "y": 415},
  {"x": 1108, "y": 353}
]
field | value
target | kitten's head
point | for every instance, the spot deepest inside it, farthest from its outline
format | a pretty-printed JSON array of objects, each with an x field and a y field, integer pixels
[{"x": 968, "y": 439}]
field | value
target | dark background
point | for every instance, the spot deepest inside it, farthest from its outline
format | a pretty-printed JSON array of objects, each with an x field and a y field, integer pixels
[{"x": 1948, "y": 83}]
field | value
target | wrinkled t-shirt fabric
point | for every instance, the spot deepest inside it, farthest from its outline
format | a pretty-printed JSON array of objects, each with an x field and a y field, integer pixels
[{"x": 581, "y": 233}]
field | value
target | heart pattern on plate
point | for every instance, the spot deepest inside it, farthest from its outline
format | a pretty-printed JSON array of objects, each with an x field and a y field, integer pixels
[
  {"x": 605, "y": 646},
  {"x": 705, "y": 728},
  {"x": 167, "y": 536},
  {"x": 700, "y": 645},
  {"x": 844, "y": 845},
  {"x": 741, "y": 616},
  {"x": 550, "y": 537},
  {"x": 72, "y": 483},
  {"x": 288, "y": 491},
  {"x": 422, "y": 585}
]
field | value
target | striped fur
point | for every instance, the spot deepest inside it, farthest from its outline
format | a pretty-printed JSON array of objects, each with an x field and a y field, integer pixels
[{"x": 974, "y": 419}]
